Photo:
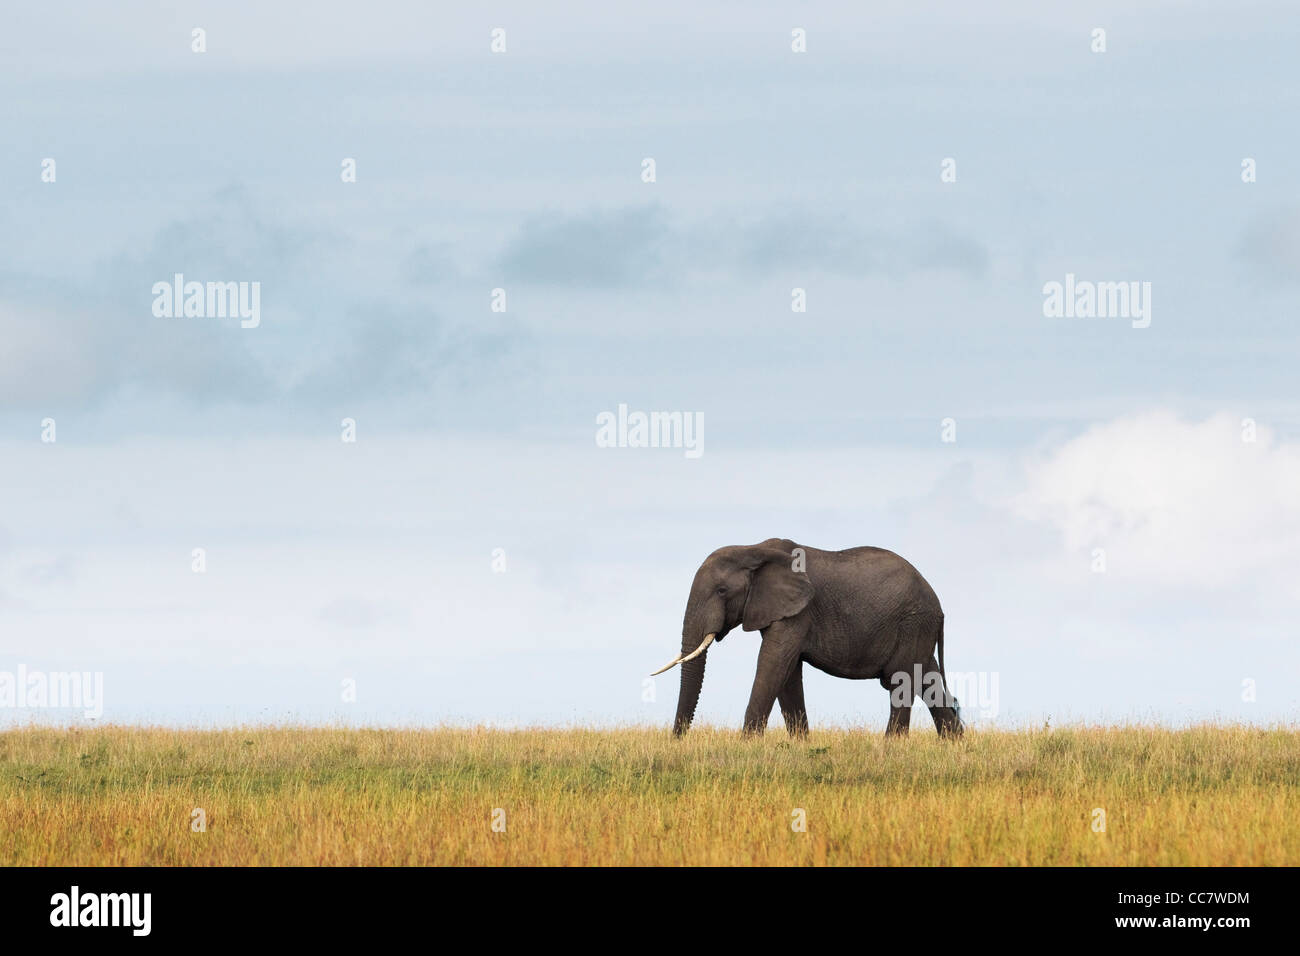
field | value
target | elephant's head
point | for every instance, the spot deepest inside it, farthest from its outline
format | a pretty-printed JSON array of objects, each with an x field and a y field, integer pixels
[{"x": 752, "y": 586}]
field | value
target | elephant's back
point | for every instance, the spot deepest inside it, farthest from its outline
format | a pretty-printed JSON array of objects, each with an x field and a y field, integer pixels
[{"x": 885, "y": 574}]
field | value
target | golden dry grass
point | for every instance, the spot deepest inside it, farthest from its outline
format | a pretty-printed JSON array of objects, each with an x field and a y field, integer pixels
[{"x": 305, "y": 796}]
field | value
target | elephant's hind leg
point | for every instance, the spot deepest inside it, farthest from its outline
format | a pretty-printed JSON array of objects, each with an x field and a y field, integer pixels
[
  {"x": 946, "y": 721},
  {"x": 943, "y": 709},
  {"x": 792, "y": 706}
]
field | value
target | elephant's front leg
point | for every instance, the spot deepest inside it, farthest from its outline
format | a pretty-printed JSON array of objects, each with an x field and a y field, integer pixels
[
  {"x": 777, "y": 659},
  {"x": 900, "y": 717},
  {"x": 901, "y": 695},
  {"x": 792, "y": 706}
]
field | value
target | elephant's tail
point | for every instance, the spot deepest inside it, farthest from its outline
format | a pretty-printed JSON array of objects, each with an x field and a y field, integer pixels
[{"x": 943, "y": 675}]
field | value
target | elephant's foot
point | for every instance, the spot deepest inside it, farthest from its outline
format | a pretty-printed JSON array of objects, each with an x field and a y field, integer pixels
[
  {"x": 900, "y": 718},
  {"x": 947, "y": 721},
  {"x": 796, "y": 725},
  {"x": 753, "y": 726},
  {"x": 948, "y": 725}
]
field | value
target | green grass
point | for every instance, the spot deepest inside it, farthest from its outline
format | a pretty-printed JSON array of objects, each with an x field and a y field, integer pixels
[{"x": 1209, "y": 795}]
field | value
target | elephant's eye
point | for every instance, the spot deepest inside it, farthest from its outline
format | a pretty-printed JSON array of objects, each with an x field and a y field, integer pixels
[{"x": 722, "y": 589}]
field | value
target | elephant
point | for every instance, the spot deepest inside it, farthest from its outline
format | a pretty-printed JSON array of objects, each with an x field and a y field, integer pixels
[{"x": 862, "y": 613}]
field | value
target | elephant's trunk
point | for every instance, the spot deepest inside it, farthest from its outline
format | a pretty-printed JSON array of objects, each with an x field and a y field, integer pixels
[
  {"x": 694, "y": 653},
  {"x": 689, "y": 695}
]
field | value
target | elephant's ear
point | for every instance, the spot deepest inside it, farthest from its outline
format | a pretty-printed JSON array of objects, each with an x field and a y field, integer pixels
[{"x": 776, "y": 591}]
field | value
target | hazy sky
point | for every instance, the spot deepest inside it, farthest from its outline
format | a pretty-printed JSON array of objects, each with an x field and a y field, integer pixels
[{"x": 372, "y": 561}]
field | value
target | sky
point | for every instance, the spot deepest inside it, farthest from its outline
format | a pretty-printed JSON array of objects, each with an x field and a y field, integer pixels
[{"x": 1113, "y": 526}]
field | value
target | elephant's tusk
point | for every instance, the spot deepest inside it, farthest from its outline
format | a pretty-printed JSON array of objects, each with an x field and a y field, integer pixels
[
  {"x": 669, "y": 666},
  {"x": 688, "y": 657},
  {"x": 699, "y": 650}
]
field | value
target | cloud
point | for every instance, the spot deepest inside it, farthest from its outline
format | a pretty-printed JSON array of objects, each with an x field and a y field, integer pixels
[
  {"x": 601, "y": 249},
  {"x": 1271, "y": 243},
  {"x": 1180, "y": 503},
  {"x": 59, "y": 570},
  {"x": 93, "y": 337},
  {"x": 839, "y": 245},
  {"x": 642, "y": 245},
  {"x": 429, "y": 264},
  {"x": 392, "y": 352},
  {"x": 58, "y": 351},
  {"x": 360, "y": 614}
]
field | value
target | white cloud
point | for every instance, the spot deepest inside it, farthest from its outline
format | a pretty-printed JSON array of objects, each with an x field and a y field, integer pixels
[{"x": 1174, "y": 501}]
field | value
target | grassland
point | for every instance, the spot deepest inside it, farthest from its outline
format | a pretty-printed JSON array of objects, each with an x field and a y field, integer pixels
[{"x": 301, "y": 796}]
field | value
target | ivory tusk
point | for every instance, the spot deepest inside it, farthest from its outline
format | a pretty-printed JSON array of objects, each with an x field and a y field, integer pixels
[
  {"x": 688, "y": 657},
  {"x": 669, "y": 666},
  {"x": 699, "y": 650}
]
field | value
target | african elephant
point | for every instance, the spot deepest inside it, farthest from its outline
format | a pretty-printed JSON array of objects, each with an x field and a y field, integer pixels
[{"x": 863, "y": 613}]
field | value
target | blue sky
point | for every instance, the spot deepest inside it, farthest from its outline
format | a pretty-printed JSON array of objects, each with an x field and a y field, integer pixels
[{"x": 372, "y": 561}]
